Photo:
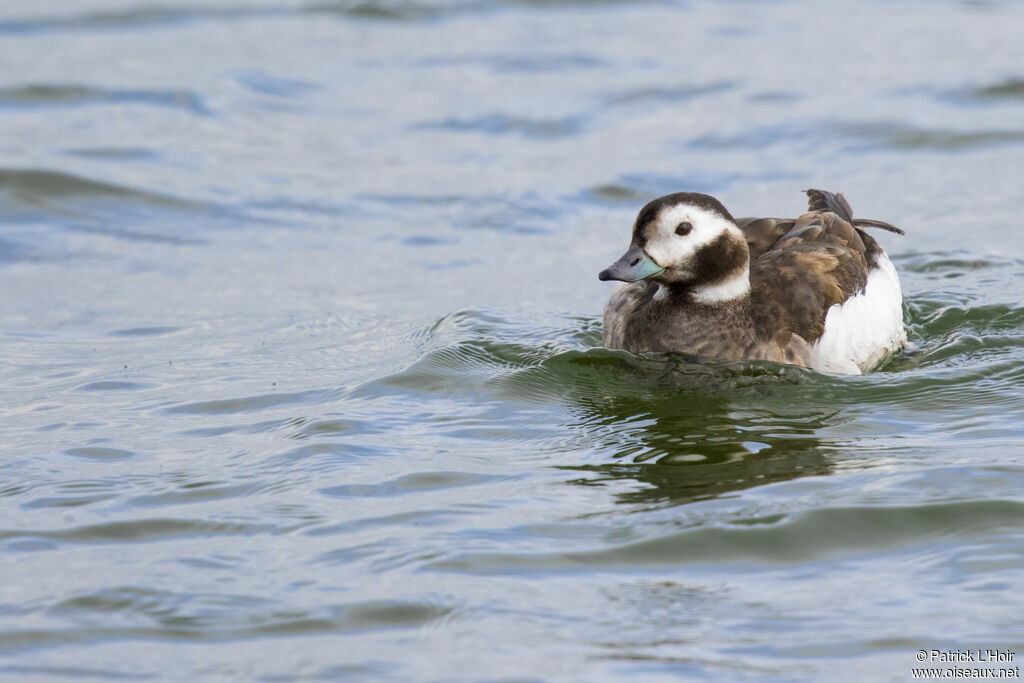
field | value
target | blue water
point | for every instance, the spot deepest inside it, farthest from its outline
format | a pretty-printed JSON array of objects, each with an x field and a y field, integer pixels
[{"x": 300, "y": 365}]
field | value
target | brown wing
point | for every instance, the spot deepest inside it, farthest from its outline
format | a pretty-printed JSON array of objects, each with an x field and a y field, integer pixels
[
  {"x": 763, "y": 233},
  {"x": 800, "y": 268},
  {"x": 823, "y": 260}
]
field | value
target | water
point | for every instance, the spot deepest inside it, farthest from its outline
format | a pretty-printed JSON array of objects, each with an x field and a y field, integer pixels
[{"x": 300, "y": 373}]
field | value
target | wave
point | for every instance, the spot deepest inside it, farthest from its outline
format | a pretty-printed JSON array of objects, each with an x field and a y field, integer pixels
[
  {"x": 48, "y": 95},
  {"x": 811, "y": 536},
  {"x": 140, "y": 17},
  {"x": 83, "y": 204},
  {"x": 134, "y": 613},
  {"x": 854, "y": 136}
]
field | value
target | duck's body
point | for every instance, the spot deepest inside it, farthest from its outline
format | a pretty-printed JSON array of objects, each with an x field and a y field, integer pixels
[{"x": 815, "y": 291}]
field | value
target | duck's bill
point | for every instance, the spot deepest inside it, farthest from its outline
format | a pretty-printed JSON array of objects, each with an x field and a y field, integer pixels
[{"x": 634, "y": 265}]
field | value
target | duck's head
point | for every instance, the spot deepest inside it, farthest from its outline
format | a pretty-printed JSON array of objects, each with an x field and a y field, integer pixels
[{"x": 686, "y": 239}]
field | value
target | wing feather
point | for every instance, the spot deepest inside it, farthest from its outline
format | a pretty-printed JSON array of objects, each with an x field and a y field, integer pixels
[{"x": 820, "y": 259}]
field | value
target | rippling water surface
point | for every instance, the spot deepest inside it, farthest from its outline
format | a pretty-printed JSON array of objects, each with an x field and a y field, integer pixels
[{"x": 300, "y": 365}]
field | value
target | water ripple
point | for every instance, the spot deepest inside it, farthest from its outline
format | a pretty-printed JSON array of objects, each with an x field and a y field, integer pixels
[
  {"x": 47, "y": 95},
  {"x": 129, "y": 18},
  {"x": 145, "y": 614},
  {"x": 858, "y": 136},
  {"x": 37, "y": 195},
  {"x": 251, "y": 403},
  {"x": 666, "y": 94},
  {"x": 518, "y": 63},
  {"x": 1011, "y": 89},
  {"x": 812, "y": 536},
  {"x": 505, "y": 124},
  {"x": 410, "y": 483},
  {"x": 418, "y": 10},
  {"x": 139, "y": 531}
]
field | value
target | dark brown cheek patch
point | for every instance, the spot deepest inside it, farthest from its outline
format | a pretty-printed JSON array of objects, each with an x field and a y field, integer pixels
[{"x": 721, "y": 260}]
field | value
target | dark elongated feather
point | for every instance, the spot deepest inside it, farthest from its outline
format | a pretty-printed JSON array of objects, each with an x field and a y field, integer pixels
[
  {"x": 823, "y": 200},
  {"x": 869, "y": 223}
]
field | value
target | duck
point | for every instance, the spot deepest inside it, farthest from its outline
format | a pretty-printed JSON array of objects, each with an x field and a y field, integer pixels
[{"x": 816, "y": 291}]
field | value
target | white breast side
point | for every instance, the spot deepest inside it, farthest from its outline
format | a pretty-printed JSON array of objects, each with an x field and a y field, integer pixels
[{"x": 866, "y": 328}]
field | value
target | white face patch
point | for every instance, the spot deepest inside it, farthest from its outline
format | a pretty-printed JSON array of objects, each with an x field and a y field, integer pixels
[{"x": 670, "y": 250}]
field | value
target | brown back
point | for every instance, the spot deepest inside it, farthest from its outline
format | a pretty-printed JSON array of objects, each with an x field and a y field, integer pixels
[{"x": 801, "y": 267}]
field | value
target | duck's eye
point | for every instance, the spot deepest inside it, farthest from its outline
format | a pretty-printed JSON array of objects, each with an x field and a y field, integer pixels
[{"x": 684, "y": 228}]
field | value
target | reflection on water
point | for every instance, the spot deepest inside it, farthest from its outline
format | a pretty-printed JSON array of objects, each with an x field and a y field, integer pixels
[{"x": 689, "y": 429}]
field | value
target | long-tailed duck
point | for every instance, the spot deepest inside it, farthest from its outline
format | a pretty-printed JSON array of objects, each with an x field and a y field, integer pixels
[{"x": 815, "y": 291}]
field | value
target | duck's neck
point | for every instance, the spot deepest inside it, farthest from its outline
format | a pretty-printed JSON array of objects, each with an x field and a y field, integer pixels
[
  {"x": 705, "y": 321},
  {"x": 723, "y": 292},
  {"x": 734, "y": 289}
]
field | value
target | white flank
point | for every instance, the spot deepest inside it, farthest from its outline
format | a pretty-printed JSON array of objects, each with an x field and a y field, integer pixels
[
  {"x": 865, "y": 329},
  {"x": 723, "y": 291}
]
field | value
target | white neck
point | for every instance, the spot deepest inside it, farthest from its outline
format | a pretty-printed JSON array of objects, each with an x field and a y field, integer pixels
[{"x": 730, "y": 290}]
